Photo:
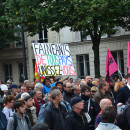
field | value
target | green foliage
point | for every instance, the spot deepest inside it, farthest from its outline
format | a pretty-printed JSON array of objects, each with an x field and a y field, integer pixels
[
  {"x": 94, "y": 17},
  {"x": 6, "y": 31}
]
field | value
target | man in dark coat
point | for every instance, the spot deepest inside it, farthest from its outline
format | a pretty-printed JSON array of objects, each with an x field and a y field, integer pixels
[
  {"x": 55, "y": 113},
  {"x": 76, "y": 120},
  {"x": 124, "y": 92},
  {"x": 90, "y": 106}
]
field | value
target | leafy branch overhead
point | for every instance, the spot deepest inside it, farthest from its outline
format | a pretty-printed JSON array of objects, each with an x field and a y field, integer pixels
[{"x": 94, "y": 17}]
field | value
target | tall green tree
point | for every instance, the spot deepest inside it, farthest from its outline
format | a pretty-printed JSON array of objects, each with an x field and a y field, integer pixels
[
  {"x": 94, "y": 17},
  {"x": 6, "y": 31}
]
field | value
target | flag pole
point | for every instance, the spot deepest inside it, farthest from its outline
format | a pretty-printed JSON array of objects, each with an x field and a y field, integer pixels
[{"x": 120, "y": 73}]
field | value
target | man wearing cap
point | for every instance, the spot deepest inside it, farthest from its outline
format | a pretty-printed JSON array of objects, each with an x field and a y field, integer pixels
[{"x": 76, "y": 120}]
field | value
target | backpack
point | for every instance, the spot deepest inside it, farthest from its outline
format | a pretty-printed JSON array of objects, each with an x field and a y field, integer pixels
[
  {"x": 3, "y": 121},
  {"x": 16, "y": 123},
  {"x": 122, "y": 120}
]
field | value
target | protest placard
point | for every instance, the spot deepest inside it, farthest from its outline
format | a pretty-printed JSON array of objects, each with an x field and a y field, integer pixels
[{"x": 53, "y": 59}]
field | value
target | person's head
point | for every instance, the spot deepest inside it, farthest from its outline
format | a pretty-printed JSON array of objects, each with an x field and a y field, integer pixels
[
  {"x": 102, "y": 79},
  {"x": 108, "y": 115},
  {"x": 38, "y": 94},
  {"x": 124, "y": 80},
  {"x": 52, "y": 80},
  {"x": 71, "y": 80},
  {"x": 68, "y": 87},
  {"x": 117, "y": 78},
  {"x": 13, "y": 86},
  {"x": 40, "y": 126},
  {"x": 26, "y": 83},
  {"x": 77, "y": 81},
  {"x": 19, "y": 106},
  {"x": 32, "y": 84},
  {"x": 77, "y": 89},
  {"x": 128, "y": 78},
  {"x": 59, "y": 85},
  {"x": 104, "y": 86},
  {"x": 86, "y": 90},
  {"x": 56, "y": 95},
  {"x": 95, "y": 83},
  {"x": 77, "y": 104},
  {"x": 112, "y": 83},
  {"x": 24, "y": 89},
  {"x": 29, "y": 88},
  {"x": 9, "y": 101},
  {"x": 88, "y": 79},
  {"x": 38, "y": 86},
  {"x": 9, "y": 81},
  {"x": 47, "y": 81},
  {"x": 104, "y": 103},
  {"x": 49, "y": 97},
  {"x": 93, "y": 90},
  {"x": 118, "y": 85},
  {"x": 27, "y": 99},
  {"x": 83, "y": 83}
]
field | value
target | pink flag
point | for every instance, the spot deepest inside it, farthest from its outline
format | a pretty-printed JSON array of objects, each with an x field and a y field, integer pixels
[
  {"x": 111, "y": 65},
  {"x": 128, "y": 59}
]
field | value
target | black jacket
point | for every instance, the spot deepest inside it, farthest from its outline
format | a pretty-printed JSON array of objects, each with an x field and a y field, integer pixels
[
  {"x": 93, "y": 110},
  {"x": 54, "y": 117},
  {"x": 68, "y": 96},
  {"x": 123, "y": 95},
  {"x": 73, "y": 121}
]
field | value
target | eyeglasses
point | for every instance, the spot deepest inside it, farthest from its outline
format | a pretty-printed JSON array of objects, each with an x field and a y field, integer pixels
[{"x": 69, "y": 87}]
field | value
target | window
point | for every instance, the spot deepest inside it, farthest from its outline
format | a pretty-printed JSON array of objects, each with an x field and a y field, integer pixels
[
  {"x": 43, "y": 36},
  {"x": 8, "y": 71},
  {"x": 118, "y": 56},
  {"x": 21, "y": 73},
  {"x": 19, "y": 35},
  {"x": 83, "y": 65}
]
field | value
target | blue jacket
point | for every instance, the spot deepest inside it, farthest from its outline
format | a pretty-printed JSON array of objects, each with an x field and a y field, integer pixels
[
  {"x": 41, "y": 113},
  {"x": 46, "y": 89},
  {"x": 3, "y": 121},
  {"x": 123, "y": 95}
]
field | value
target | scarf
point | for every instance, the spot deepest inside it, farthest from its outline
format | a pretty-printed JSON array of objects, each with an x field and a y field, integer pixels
[{"x": 37, "y": 104}]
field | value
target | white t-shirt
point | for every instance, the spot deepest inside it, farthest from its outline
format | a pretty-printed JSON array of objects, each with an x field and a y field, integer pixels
[{"x": 8, "y": 112}]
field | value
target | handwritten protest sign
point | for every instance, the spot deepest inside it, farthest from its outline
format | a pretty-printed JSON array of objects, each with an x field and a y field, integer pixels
[{"x": 53, "y": 59}]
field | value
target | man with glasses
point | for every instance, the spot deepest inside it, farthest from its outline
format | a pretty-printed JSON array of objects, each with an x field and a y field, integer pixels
[{"x": 68, "y": 92}]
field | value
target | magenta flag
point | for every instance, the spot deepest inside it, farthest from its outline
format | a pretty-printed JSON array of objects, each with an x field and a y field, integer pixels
[
  {"x": 128, "y": 59},
  {"x": 111, "y": 65}
]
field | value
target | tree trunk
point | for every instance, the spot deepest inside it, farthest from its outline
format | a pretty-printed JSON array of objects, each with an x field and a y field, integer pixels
[{"x": 96, "y": 43}]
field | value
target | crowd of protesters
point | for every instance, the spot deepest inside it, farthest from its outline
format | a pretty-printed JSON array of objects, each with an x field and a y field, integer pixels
[{"x": 66, "y": 104}]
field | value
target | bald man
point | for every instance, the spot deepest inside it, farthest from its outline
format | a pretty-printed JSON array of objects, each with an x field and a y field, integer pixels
[{"x": 103, "y": 104}]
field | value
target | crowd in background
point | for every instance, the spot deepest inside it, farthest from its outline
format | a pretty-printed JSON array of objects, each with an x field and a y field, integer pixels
[{"x": 66, "y": 104}]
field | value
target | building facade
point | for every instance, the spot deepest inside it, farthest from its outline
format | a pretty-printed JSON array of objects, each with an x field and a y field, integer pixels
[{"x": 11, "y": 60}]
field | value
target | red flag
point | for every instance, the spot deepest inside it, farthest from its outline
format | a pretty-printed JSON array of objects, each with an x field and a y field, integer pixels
[
  {"x": 128, "y": 59},
  {"x": 36, "y": 73},
  {"x": 111, "y": 65}
]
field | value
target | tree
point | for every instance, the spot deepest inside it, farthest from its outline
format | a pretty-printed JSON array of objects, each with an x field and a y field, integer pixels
[
  {"x": 95, "y": 17},
  {"x": 6, "y": 31}
]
